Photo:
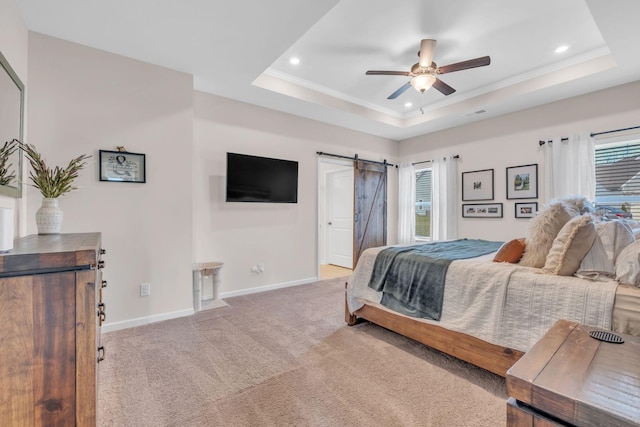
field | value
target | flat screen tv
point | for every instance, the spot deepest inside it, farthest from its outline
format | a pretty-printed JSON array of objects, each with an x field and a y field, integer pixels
[{"x": 261, "y": 179}]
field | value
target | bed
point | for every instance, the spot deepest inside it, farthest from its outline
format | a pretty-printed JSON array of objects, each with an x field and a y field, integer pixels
[{"x": 493, "y": 312}]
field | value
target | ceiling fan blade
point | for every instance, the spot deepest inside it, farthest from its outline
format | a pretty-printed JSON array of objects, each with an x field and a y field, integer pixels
[
  {"x": 443, "y": 87},
  {"x": 464, "y": 65},
  {"x": 400, "y": 91},
  {"x": 387, "y": 73},
  {"x": 427, "y": 47}
]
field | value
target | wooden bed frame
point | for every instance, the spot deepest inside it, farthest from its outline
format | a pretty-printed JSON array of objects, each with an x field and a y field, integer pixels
[{"x": 493, "y": 358}]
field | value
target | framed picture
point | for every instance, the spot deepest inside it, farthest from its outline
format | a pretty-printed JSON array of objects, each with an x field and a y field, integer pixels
[
  {"x": 482, "y": 210},
  {"x": 477, "y": 185},
  {"x": 122, "y": 166},
  {"x": 522, "y": 182},
  {"x": 526, "y": 210}
]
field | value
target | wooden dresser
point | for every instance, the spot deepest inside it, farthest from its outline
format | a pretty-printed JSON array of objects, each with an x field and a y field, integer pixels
[{"x": 50, "y": 315}]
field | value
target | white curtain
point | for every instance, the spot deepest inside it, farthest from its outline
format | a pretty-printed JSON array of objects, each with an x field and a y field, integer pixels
[
  {"x": 444, "y": 203},
  {"x": 407, "y": 204},
  {"x": 570, "y": 167}
]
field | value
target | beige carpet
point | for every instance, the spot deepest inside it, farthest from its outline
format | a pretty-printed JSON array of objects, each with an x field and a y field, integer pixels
[{"x": 283, "y": 358}]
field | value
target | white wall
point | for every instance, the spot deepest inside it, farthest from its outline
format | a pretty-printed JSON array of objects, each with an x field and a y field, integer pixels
[
  {"x": 82, "y": 100},
  {"x": 283, "y": 237},
  {"x": 14, "y": 39},
  {"x": 512, "y": 140}
]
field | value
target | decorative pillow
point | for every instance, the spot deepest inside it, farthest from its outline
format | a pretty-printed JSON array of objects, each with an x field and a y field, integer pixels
[
  {"x": 580, "y": 203},
  {"x": 571, "y": 245},
  {"x": 543, "y": 229},
  {"x": 596, "y": 264},
  {"x": 511, "y": 251},
  {"x": 632, "y": 223},
  {"x": 628, "y": 265},
  {"x": 616, "y": 235}
]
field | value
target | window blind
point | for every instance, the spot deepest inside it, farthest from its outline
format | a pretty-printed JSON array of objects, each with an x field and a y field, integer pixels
[{"x": 618, "y": 171}]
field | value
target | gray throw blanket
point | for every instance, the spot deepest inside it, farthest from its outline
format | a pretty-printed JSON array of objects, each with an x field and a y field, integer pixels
[{"x": 412, "y": 278}]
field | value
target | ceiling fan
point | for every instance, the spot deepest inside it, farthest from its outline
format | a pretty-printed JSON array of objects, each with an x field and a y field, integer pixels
[{"x": 423, "y": 73}]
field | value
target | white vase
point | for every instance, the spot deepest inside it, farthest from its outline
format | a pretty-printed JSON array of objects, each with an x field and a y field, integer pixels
[{"x": 49, "y": 217}]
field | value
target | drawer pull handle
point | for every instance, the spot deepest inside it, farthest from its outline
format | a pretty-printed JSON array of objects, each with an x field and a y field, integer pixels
[
  {"x": 100, "y": 264},
  {"x": 103, "y": 251},
  {"x": 104, "y": 283},
  {"x": 100, "y": 354}
]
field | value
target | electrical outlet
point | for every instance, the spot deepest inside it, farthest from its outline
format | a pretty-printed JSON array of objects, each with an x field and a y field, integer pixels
[
  {"x": 254, "y": 269},
  {"x": 261, "y": 268},
  {"x": 145, "y": 289}
]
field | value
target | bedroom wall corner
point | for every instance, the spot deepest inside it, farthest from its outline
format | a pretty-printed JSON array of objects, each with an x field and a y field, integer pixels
[{"x": 82, "y": 100}]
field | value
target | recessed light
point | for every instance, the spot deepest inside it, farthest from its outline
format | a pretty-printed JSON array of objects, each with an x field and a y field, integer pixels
[
  {"x": 562, "y": 48},
  {"x": 408, "y": 104},
  {"x": 294, "y": 61}
]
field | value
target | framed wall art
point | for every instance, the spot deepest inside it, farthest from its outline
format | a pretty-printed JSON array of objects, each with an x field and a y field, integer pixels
[
  {"x": 122, "y": 166},
  {"x": 522, "y": 182},
  {"x": 482, "y": 210},
  {"x": 477, "y": 185},
  {"x": 526, "y": 210}
]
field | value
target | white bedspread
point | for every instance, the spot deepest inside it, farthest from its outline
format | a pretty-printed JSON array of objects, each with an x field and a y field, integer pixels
[{"x": 501, "y": 303}]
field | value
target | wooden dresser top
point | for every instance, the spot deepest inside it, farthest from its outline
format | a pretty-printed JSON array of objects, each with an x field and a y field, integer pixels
[
  {"x": 578, "y": 379},
  {"x": 43, "y": 252}
]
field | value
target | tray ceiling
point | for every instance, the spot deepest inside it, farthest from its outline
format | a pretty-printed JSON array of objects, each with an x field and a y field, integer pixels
[{"x": 242, "y": 50}]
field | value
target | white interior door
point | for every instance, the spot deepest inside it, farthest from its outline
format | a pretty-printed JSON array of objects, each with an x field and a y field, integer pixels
[{"x": 340, "y": 218}]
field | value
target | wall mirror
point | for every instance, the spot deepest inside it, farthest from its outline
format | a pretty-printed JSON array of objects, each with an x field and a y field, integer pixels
[{"x": 11, "y": 124}]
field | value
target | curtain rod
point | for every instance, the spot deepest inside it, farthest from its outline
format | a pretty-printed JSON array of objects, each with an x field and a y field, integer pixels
[
  {"x": 541, "y": 142},
  {"x": 457, "y": 156},
  {"x": 320, "y": 153},
  {"x": 613, "y": 131}
]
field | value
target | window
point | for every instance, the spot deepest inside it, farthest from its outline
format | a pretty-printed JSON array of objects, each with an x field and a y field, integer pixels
[
  {"x": 618, "y": 180},
  {"x": 423, "y": 203}
]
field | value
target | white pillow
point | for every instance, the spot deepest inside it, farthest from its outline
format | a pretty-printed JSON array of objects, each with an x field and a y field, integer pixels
[
  {"x": 596, "y": 264},
  {"x": 632, "y": 223},
  {"x": 570, "y": 246},
  {"x": 615, "y": 235},
  {"x": 543, "y": 229},
  {"x": 628, "y": 265},
  {"x": 579, "y": 202}
]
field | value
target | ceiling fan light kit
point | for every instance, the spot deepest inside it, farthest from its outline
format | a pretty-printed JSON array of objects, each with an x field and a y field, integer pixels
[
  {"x": 423, "y": 73},
  {"x": 422, "y": 82}
]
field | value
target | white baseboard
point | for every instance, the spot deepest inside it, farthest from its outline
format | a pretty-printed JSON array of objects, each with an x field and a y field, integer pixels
[
  {"x": 267, "y": 287},
  {"x": 124, "y": 324}
]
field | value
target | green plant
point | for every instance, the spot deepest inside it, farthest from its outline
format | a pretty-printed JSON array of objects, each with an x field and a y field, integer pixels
[
  {"x": 7, "y": 173},
  {"x": 55, "y": 182}
]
